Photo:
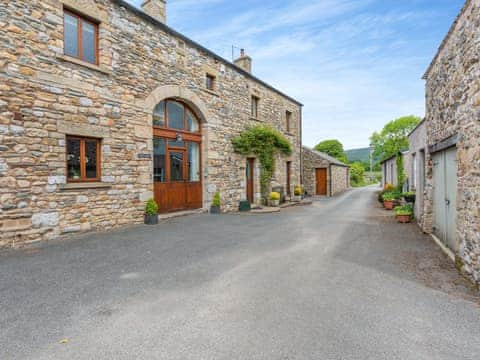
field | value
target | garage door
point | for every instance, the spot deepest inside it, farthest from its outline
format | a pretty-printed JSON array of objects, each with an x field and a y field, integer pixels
[{"x": 445, "y": 196}]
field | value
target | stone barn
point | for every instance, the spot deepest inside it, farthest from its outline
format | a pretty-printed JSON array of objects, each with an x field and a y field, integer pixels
[
  {"x": 324, "y": 175},
  {"x": 452, "y": 163},
  {"x": 104, "y": 106}
]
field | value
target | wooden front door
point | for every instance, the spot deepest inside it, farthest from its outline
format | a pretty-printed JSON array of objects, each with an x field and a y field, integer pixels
[
  {"x": 289, "y": 174},
  {"x": 176, "y": 158},
  {"x": 250, "y": 180},
  {"x": 321, "y": 181}
]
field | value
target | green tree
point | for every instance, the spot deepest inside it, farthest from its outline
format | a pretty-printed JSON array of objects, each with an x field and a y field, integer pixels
[
  {"x": 394, "y": 137},
  {"x": 333, "y": 148},
  {"x": 357, "y": 173}
]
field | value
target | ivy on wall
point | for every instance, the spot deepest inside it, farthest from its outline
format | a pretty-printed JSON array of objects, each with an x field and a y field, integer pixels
[{"x": 263, "y": 142}]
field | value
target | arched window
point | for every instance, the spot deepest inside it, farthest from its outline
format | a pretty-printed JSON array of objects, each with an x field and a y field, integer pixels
[{"x": 176, "y": 116}]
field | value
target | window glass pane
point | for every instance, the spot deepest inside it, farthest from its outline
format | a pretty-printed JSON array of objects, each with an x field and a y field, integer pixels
[
  {"x": 175, "y": 143},
  {"x": 254, "y": 106},
  {"x": 159, "y": 115},
  {"x": 73, "y": 158},
  {"x": 159, "y": 160},
  {"x": 192, "y": 122},
  {"x": 176, "y": 166},
  {"x": 91, "y": 158},
  {"x": 175, "y": 115},
  {"x": 193, "y": 162},
  {"x": 71, "y": 35},
  {"x": 210, "y": 82},
  {"x": 89, "y": 43}
]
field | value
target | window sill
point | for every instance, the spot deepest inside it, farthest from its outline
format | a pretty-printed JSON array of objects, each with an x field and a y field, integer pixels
[
  {"x": 85, "y": 185},
  {"x": 255, "y": 119},
  {"x": 88, "y": 65},
  {"x": 211, "y": 92}
]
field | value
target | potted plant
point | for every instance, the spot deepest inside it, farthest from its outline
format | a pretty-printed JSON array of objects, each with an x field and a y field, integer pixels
[
  {"x": 215, "y": 207},
  {"x": 409, "y": 197},
  {"x": 297, "y": 193},
  {"x": 274, "y": 199},
  {"x": 388, "y": 200},
  {"x": 404, "y": 213},
  {"x": 151, "y": 212}
]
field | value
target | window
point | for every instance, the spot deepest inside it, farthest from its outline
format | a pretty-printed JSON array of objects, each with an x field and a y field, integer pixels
[
  {"x": 80, "y": 38},
  {"x": 210, "y": 82},
  {"x": 288, "y": 119},
  {"x": 175, "y": 115},
  {"x": 83, "y": 159},
  {"x": 255, "y": 101}
]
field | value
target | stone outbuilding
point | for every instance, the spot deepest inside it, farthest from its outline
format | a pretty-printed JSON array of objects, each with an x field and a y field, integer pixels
[
  {"x": 452, "y": 191},
  {"x": 415, "y": 166},
  {"x": 324, "y": 175},
  {"x": 389, "y": 169},
  {"x": 103, "y": 106}
]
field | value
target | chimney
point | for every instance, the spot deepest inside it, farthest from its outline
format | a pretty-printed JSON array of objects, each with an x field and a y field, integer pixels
[
  {"x": 244, "y": 61},
  {"x": 156, "y": 9}
]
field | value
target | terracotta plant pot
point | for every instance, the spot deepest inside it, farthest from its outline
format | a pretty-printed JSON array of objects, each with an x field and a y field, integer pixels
[
  {"x": 388, "y": 204},
  {"x": 404, "y": 219}
]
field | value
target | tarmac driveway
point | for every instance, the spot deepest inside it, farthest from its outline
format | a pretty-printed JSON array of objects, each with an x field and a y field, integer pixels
[{"x": 336, "y": 280}]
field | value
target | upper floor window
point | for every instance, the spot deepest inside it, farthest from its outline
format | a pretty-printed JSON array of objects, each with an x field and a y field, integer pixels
[
  {"x": 175, "y": 115},
  {"x": 288, "y": 119},
  {"x": 210, "y": 82},
  {"x": 255, "y": 101},
  {"x": 83, "y": 159},
  {"x": 80, "y": 38}
]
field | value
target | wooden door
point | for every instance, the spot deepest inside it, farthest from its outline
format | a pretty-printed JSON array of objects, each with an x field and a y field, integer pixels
[
  {"x": 250, "y": 180},
  {"x": 321, "y": 180},
  {"x": 289, "y": 174}
]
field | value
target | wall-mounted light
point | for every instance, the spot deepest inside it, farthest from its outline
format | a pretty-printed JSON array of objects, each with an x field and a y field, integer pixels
[{"x": 179, "y": 137}]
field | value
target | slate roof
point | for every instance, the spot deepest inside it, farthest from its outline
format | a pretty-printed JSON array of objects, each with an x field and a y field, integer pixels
[
  {"x": 327, "y": 157},
  {"x": 189, "y": 41}
]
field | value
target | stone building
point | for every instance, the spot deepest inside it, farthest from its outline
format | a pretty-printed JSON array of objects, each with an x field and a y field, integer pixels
[
  {"x": 389, "y": 169},
  {"x": 103, "y": 106},
  {"x": 415, "y": 166},
  {"x": 324, "y": 175},
  {"x": 452, "y": 196}
]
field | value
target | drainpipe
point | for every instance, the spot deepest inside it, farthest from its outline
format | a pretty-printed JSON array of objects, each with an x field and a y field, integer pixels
[{"x": 330, "y": 177}]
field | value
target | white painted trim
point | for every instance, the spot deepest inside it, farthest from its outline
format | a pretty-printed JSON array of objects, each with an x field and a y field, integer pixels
[{"x": 445, "y": 249}]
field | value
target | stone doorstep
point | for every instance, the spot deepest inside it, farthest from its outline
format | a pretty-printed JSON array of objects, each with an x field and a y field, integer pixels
[{"x": 180, "y": 214}]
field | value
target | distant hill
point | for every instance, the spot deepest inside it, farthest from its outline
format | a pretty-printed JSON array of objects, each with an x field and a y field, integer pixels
[{"x": 361, "y": 155}]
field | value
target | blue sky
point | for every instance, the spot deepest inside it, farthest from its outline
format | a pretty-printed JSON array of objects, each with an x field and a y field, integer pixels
[{"x": 354, "y": 64}]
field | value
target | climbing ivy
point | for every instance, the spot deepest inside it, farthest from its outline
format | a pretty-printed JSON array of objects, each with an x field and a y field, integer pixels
[
  {"x": 401, "y": 177},
  {"x": 263, "y": 142}
]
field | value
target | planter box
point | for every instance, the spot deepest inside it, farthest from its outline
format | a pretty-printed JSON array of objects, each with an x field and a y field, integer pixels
[
  {"x": 297, "y": 198},
  {"x": 244, "y": 206},
  {"x": 275, "y": 203},
  {"x": 150, "y": 219}
]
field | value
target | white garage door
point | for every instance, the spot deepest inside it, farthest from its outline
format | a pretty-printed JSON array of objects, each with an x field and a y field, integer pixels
[{"x": 445, "y": 196}]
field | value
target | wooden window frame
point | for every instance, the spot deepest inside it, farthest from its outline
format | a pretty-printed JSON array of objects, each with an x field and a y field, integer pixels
[
  {"x": 184, "y": 131},
  {"x": 213, "y": 80},
  {"x": 255, "y": 101},
  {"x": 83, "y": 166},
  {"x": 81, "y": 19},
  {"x": 288, "y": 119}
]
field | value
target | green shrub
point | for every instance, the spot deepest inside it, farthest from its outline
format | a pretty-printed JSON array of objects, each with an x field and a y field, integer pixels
[
  {"x": 392, "y": 195},
  {"x": 151, "y": 208},
  {"x": 216, "y": 200},
  {"x": 357, "y": 174},
  {"x": 274, "y": 195},
  {"x": 406, "y": 209}
]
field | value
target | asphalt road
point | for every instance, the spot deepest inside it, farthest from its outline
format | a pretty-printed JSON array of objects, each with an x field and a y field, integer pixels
[{"x": 336, "y": 280}]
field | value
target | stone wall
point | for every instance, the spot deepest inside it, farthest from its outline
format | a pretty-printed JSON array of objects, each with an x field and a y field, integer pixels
[
  {"x": 340, "y": 179},
  {"x": 45, "y": 95},
  {"x": 416, "y": 173},
  {"x": 337, "y": 176},
  {"x": 453, "y": 112}
]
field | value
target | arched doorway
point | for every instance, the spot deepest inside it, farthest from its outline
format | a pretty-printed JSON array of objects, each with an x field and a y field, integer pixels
[{"x": 177, "y": 141}]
